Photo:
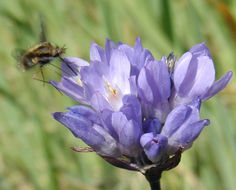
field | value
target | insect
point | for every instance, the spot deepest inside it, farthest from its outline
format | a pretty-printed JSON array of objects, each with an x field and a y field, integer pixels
[
  {"x": 41, "y": 55},
  {"x": 170, "y": 62}
]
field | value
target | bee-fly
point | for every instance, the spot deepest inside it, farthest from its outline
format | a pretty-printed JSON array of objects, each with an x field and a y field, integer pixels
[{"x": 41, "y": 55}]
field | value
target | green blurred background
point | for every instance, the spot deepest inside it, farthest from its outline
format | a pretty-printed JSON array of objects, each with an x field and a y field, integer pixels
[{"x": 35, "y": 150}]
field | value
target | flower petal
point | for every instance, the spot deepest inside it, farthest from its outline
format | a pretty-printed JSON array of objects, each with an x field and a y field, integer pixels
[
  {"x": 153, "y": 145},
  {"x": 145, "y": 91},
  {"x": 71, "y": 89},
  {"x": 86, "y": 112},
  {"x": 193, "y": 76},
  {"x": 97, "y": 53},
  {"x": 132, "y": 108},
  {"x": 92, "y": 76},
  {"x": 129, "y": 139},
  {"x": 128, "y": 133},
  {"x": 159, "y": 80},
  {"x": 138, "y": 45},
  {"x": 200, "y": 50},
  {"x": 218, "y": 85},
  {"x": 118, "y": 121},
  {"x": 99, "y": 103},
  {"x": 120, "y": 70},
  {"x": 152, "y": 126},
  {"x": 204, "y": 78},
  {"x": 70, "y": 66},
  {"x": 133, "y": 85},
  {"x": 182, "y": 115},
  {"x": 187, "y": 134},
  {"x": 181, "y": 69},
  {"x": 109, "y": 46},
  {"x": 92, "y": 134}
]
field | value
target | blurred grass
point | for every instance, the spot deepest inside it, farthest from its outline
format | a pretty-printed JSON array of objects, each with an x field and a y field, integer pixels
[{"x": 34, "y": 149}]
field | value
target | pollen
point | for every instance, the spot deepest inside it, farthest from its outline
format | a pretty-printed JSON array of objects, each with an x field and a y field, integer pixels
[
  {"x": 80, "y": 83},
  {"x": 111, "y": 91}
]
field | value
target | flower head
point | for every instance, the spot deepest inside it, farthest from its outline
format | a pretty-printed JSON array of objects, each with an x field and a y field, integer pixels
[{"x": 138, "y": 111}]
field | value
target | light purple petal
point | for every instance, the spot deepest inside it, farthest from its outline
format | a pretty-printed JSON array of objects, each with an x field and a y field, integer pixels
[
  {"x": 138, "y": 45},
  {"x": 137, "y": 56},
  {"x": 120, "y": 70},
  {"x": 194, "y": 74},
  {"x": 200, "y": 50},
  {"x": 159, "y": 80},
  {"x": 92, "y": 134},
  {"x": 86, "y": 112},
  {"x": 161, "y": 110},
  {"x": 71, "y": 89},
  {"x": 106, "y": 119},
  {"x": 181, "y": 69},
  {"x": 76, "y": 61},
  {"x": 153, "y": 146},
  {"x": 133, "y": 85},
  {"x": 109, "y": 47},
  {"x": 145, "y": 91},
  {"x": 70, "y": 66},
  {"x": 196, "y": 103},
  {"x": 129, "y": 139},
  {"x": 132, "y": 108},
  {"x": 77, "y": 124},
  {"x": 154, "y": 77},
  {"x": 188, "y": 133},
  {"x": 97, "y": 53},
  {"x": 183, "y": 126},
  {"x": 218, "y": 85},
  {"x": 118, "y": 121},
  {"x": 109, "y": 146},
  {"x": 92, "y": 76},
  {"x": 128, "y": 133},
  {"x": 182, "y": 115},
  {"x": 204, "y": 78},
  {"x": 128, "y": 50},
  {"x": 99, "y": 103}
]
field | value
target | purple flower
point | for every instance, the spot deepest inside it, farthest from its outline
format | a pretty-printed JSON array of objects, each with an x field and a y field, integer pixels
[
  {"x": 111, "y": 74},
  {"x": 154, "y": 87},
  {"x": 194, "y": 76},
  {"x": 138, "y": 111},
  {"x": 108, "y": 133}
]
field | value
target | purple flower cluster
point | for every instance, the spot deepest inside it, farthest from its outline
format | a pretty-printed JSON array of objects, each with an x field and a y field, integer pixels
[{"x": 137, "y": 111}]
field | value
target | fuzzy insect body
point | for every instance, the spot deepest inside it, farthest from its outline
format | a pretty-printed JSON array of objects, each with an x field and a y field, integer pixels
[{"x": 41, "y": 55}]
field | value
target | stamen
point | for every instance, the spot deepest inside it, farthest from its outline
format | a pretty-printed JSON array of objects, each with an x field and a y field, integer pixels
[
  {"x": 80, "y": 83},
  {"x": 113, "y": 91},
  {"x": 155, "y": 140}
]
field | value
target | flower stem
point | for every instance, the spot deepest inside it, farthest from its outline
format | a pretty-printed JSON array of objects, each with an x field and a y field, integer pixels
[
  {"x": 153, "y": 174},
  {"x": 153, "y": 178}
]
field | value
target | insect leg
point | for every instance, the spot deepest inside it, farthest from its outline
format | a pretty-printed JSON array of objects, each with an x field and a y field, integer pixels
[
  {"x": 47, "y": 83},
  {"x": 58, "y": 68},
  {"x": 35, "y": 74},
  {"x": 41, "y": 71}
]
